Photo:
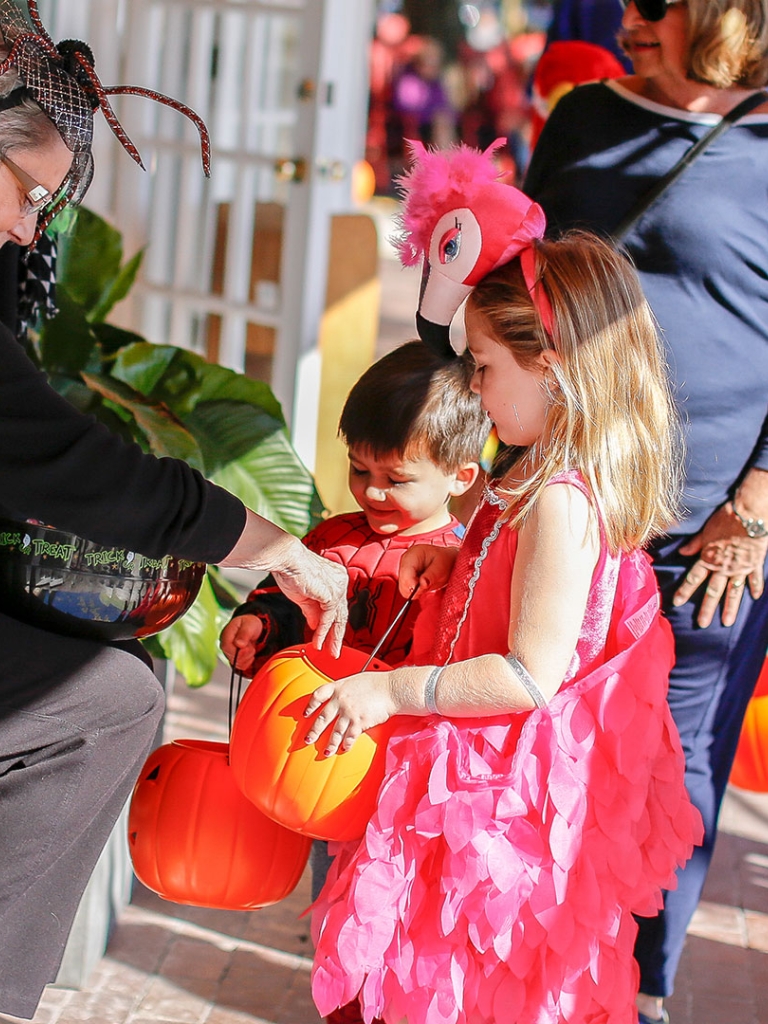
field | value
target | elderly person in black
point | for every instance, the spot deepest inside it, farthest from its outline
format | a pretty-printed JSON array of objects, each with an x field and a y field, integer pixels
[{"x": 77, "y": 717}]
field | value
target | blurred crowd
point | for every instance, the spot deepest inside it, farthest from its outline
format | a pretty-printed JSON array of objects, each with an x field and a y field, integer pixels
[{"x": 498, "y": 83}]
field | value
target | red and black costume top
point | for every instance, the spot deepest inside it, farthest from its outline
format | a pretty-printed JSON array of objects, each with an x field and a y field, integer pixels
[{"x": 373, "y": 561}]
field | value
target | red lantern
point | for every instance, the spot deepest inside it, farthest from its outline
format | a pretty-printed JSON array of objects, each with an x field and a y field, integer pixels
[
  {"x": 195, "y": 839},
  {"x": 750, "y": 767},
  {"x": 289, "y": 780}
]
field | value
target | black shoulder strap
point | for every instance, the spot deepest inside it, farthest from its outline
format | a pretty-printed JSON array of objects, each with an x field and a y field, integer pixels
[{"x": 689, "y": 156}]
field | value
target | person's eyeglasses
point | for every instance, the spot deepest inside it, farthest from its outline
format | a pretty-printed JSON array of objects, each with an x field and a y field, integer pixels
[
  {"x": 37, "y": 195},
  {"x": 651, "y": 10}
]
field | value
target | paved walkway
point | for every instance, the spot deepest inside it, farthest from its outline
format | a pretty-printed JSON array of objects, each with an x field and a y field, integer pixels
[{"x": 168, "y": 964}]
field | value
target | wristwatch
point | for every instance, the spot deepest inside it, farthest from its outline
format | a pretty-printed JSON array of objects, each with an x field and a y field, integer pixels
[{"x": 754, "y": 528}]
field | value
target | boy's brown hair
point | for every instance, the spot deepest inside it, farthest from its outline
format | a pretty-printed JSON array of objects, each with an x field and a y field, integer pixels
[{"x": 415, "y": 404}]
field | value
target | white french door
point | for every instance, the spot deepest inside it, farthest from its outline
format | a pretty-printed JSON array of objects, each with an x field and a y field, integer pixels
[{"x": 235, "y": 266}]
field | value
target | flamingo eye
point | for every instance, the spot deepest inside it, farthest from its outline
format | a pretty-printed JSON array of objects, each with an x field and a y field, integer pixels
[{"x": 450, "y": 245}]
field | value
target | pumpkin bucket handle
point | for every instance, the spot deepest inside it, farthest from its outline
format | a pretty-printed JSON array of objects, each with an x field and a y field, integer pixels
[
  {"x": 234, "y": 697},
  {"x": 390, "y": 628}
]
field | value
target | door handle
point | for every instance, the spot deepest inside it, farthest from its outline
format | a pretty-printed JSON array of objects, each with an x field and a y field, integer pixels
[{"x": 291, "y": 169}]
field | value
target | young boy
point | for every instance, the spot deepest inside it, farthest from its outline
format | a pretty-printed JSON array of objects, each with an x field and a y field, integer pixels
[{"x": 414, "y": 433}]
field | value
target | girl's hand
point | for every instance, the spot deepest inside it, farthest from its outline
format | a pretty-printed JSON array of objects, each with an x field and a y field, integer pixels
[
  {"x": 728, "y": 559},
  {"x": 238, "y": 641},
  {"x": 354, "y": 704},
  {"x": 425, "y": 567}
]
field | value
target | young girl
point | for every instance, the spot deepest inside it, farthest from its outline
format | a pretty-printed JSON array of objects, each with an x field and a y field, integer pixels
[{"x": 539, "y": 801}]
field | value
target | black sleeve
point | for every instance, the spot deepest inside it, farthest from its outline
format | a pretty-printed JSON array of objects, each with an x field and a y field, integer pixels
[
  {"x": 68, "y": 470},
  {"x": 9, "y": 285},
  {"x": 282, "y": 621}
]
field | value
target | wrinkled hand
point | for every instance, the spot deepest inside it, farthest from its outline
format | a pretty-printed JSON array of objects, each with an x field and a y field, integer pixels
[
  {"x": 319, "y": 587},
  {"x": 354, "y": 704},
  {"x": 728, "y": 559},
  {"x": 425, "y": 567},
  {"x": 238, "y": 642}
]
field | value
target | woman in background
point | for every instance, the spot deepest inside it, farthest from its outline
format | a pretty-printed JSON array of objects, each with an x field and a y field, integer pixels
[{"x": 701, "y": 250}]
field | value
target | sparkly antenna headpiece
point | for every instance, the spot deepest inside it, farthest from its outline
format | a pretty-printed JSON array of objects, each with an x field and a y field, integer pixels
[{"x": 62, "y": 81}]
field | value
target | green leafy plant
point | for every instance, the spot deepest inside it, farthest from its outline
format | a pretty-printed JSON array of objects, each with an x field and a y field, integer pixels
[{"x": 173, "y": 403}]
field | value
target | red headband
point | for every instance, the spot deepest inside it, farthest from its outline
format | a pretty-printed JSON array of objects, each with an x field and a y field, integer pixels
[{"x": 535, "y": 288}]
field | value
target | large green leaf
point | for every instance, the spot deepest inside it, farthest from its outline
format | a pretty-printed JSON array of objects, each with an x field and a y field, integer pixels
[
  {"x": 182, "y": 379},
  {"x": 274, "y": 482},
  {"x": 191, "y": 643},
  {"x": 163, "y": 431},
  {"x": 117, "y": 289},
  {"x": 112, "y": 339},
  {"x": 227, "y": 413},
  {"x": 143, "y": 364},
  {"x": 89, "y": 258},
  {"x": 227, "y": 431},
  {"x": 67, "y": 341}
]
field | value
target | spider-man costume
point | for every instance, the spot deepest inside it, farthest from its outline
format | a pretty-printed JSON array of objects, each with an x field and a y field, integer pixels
[{"x": 373, "y": 562}]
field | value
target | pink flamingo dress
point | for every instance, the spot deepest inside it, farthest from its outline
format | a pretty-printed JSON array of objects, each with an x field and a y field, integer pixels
[{"x": 497, "y": 878}]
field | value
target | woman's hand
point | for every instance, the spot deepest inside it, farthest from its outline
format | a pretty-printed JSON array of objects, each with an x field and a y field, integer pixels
[
  {"x": 317, "y": 585},
  {"x": 425, "y": 567},
  {"x": 238, "y": 641},
  {"x": 728, "y": 559},
  {"x": 354, "y": 704}
]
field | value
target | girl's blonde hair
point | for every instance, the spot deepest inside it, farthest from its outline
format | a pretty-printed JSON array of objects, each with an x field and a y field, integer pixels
[{"x": 611, "y": 414}]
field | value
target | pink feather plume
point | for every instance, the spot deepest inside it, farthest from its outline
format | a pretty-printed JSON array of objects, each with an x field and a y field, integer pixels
[{"x": 429, "y": 188}]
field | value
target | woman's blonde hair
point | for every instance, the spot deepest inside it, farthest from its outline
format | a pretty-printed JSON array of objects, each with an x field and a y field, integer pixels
[
  {"x": 728, "y": 43},
  {"x": 611, "y": 415}
]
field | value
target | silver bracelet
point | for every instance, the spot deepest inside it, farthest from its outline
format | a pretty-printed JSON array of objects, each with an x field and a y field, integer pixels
[
  {"x": 525, "y": 679},
  {"x": 429, "y": 689}
]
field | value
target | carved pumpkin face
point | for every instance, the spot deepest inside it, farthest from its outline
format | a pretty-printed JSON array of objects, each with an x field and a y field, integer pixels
[
  {"x": 324, "y": 797},
  {"x": 195, "y": 839},
  {"x": 750, "y": 766}
]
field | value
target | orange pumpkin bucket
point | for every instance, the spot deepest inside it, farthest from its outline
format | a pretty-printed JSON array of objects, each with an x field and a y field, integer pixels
[
  {"x": 195, "y": 839},
  {"x": 750, "y": 766},
  {"x": 289, "y": 780}
]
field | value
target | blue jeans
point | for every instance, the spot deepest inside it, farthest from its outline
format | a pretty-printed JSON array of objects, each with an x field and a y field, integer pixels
[{"x": 715, "y": 673}]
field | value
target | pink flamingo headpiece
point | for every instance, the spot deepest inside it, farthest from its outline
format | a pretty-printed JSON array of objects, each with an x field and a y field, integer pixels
[{"x": 463, "y": 222}]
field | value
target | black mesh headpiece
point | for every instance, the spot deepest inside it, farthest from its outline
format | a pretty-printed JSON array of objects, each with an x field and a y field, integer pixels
[{"x": 62, "y": 81}]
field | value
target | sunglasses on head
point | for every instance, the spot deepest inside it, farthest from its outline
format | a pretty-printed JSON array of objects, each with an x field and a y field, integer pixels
[{"x": 651, "y": 10}]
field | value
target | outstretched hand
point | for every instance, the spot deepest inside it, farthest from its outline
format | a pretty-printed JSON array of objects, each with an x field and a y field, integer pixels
[
  {"x": 425, "y": 567},
  {"x": 728, "y": 559},
  {"x": 319, "y": 587}
]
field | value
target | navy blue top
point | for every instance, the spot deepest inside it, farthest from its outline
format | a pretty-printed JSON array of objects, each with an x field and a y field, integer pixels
[{"x": 702, "y": 254}]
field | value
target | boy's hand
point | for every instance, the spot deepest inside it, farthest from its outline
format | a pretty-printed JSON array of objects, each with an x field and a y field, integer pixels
[
  {"x": 357, "y": 703},
  {"x": 239, "y": 640},
  {"x": 425, "y": 567}
]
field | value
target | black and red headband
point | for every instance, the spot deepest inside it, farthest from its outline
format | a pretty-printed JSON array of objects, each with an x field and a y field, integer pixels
[{"x": 62, "y": 81}]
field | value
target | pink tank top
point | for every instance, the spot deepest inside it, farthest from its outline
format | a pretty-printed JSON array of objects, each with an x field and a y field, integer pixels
[{"x": 472, "y": 618}]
